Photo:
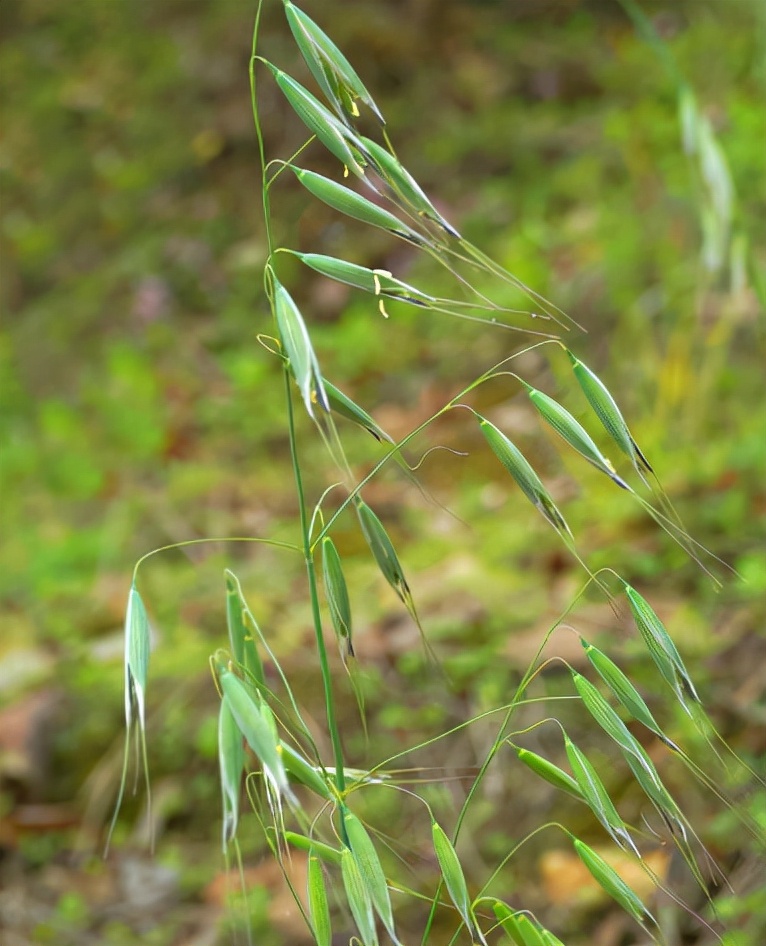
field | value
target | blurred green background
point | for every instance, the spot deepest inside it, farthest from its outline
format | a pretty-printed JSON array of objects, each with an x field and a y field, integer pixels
[{"x": 140, "y": 410}]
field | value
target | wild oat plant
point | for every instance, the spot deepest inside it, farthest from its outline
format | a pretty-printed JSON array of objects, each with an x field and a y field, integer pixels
[{"x": 304, "y": 802}]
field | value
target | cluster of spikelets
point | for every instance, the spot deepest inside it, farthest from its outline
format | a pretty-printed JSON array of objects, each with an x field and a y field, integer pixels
[{"x": 338, "y": 845}]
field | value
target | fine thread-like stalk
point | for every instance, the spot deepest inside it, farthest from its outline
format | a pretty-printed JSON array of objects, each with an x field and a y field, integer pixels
[
  {"x": 259, "y": 133},
  {"x": 332, "y": 723},
  {"x": 340, "y": 779}
]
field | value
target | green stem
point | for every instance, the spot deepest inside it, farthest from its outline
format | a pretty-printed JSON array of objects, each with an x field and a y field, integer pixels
[
  {"x": 259, "y": 133},
  {"x": 332, "y": 724},
  {"x": 340, "y": 778}
]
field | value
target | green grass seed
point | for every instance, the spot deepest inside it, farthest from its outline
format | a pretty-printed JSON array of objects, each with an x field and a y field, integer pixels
[
  {"x": 319, "y": 908},
  {"x": 271, "y": 720},
  {"x": 241, "y": 636},
  {"x": 137, "y": 647},
  {"x": 596, "y": 796},
  {"x": 388, "y": 562},
  {"x": 531, "y": 934},
  {"x": 304, "y": 772},
  {"x": 231, "y": 759},
  {"x": 403, "y": 183},
  {"x": 338, "y": 602},
  {"x": 376, "y": 281},
  {"x": 348, "y": 202},
  {"x": 635, "y": 755},
  {"x": 550, "y": 939},
  {"x": 371, "y": 869},
  {"x": 660, "y": 645},
  {"x": 520, "y": 469},
  {"x": 648, "y": 778},
  {"x": 549, "y": 772},
  {"x": 508, "y": 920},
  {"x": 234, "y": 616},
  {"x": 522, "y": 929},
  {"x": 358, "y": 897},
  {"x": 573, "y": 433},
  {"x": 326, "y": 853},
  {"x": 623, "y": 689},
  {"x": 319, "y": 121},
  {"x": 256, "y": 726},
  {"x": 452, "y": 872},
  {"x": 343, "y": 405},
  {"x": 382, "y": 550},
  {"x": 602, "y": 712},
  {"x": 297, "y": 345},
  {"x": 327, "y": 62},
  {"x": 605, "y": 408},
  {"x": 610, "y": 881},
  {"x": 313, "y": 56}
]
